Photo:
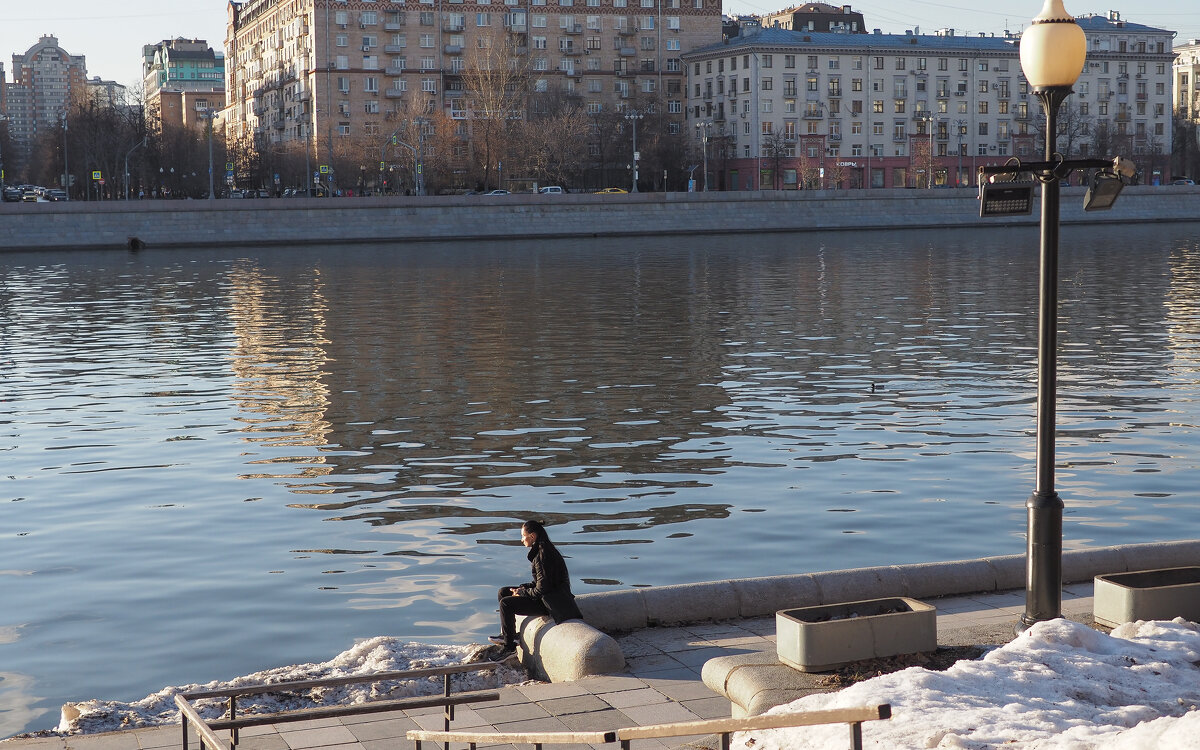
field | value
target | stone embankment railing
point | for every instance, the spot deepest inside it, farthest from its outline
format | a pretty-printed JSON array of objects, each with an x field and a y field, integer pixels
[
  {"x": 312, "y": 221},
  {"x": 576, "y": 649}
]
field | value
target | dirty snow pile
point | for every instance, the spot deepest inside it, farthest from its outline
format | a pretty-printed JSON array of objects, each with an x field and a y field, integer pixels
[
  {"x": 381, "y": 654},
  {"x": 1059, "y": 685}
]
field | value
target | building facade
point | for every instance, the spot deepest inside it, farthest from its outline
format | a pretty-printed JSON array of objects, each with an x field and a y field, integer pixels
[
  {"x": 779, "y": 109},
  {"x": 817, "y": 17},
  {"x": 182, "y": 80},
  {"x": 1186, "y": 84},
  {"x": 331, "y": 70},
  {"x": 46, "y": 81}
]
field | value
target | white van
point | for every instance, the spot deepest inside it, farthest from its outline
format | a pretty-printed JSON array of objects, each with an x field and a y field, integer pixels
[{"x": 551, "y": 190}]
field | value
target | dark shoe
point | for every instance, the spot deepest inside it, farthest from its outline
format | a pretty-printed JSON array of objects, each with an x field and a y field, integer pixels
[
  {"x": 504, "y": 652},
  {"x": 497, "y": 639}
]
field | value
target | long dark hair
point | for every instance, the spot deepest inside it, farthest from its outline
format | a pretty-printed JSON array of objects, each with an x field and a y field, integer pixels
[
  {"x": 542, "y": 541},
  {"x": 537, "y": 529}
]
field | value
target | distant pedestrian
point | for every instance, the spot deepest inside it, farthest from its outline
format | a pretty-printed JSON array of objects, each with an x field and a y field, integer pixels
[{"x": 549, "y": 593}]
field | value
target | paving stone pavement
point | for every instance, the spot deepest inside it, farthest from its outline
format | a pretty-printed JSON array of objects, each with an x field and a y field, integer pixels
[{"x": 661, "y": 684}]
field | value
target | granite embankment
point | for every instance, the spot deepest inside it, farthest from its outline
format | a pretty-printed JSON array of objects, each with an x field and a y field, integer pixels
[{"x": 167, "y": 224}]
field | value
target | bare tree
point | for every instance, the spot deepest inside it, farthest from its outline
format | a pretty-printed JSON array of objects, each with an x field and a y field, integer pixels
[
  {"x": 496, "y": 82},
  {"x": 775, "y": 148}
]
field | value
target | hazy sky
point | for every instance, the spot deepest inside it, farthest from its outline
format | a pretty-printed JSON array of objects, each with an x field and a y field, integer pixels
[{"x": 111, "y": 32}]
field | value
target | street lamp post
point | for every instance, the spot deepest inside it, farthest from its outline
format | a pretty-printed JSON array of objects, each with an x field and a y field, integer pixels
[
  {"x": 1053, "y": 53},
  {"x": 2, "y": 119},
  {"x": 961, "y": 125},
  {"x": 703, "y": 128},
  {"x": 633, "y": 116},
  {"x": 135, "y": 148},
  {"x": 209, "y": 114}
]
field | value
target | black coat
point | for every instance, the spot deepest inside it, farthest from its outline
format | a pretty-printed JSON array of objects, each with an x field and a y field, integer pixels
[{"x": 551, "y": 582}]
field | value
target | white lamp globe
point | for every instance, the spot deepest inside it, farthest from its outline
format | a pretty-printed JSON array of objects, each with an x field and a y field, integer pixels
[{"x": 1053, "y": 49}]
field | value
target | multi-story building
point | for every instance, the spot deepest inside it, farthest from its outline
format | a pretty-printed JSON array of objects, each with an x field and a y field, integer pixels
[
  {"x": 1187, "y": 80},
  {"x": 46, "y": 80},
  {"x": 788, "y": 109},
  {"x": 182, "y": 80},
  {"x": 333, "y": 70},
  {"x": 817, "y": 17},
  {"x": 106, "y": 93}
]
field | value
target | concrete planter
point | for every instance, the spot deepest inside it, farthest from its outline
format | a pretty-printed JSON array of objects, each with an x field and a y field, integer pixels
[
  {"x": 1148, "y": 595},
  {"x": 818, "y": 639}
]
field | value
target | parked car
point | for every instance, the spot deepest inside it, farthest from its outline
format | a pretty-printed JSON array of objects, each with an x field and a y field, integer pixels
[
  {"x": 551, "y": 190},
  {"x": 611, "y": 191},
  {"x": 497, "y": 192},
  {"x": 1184, "y": 181}
]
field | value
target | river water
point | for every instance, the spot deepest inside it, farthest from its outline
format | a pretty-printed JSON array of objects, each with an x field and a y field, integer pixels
[{"x": 223, "y": 460}]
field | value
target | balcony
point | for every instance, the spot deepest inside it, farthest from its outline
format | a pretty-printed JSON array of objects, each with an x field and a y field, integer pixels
[
  {"x": 627, "y": 52},
  {"x": 394, "y": 93},
  {"x": 453, "y": 28},
  {"x": 576, "y": 29},
  {"x": 453, "y": 49},
  {"x": 394, "y": 49},
  {"x": 303, "y": 96},
  {"x": 393, "y": 26},
  {"x": 624, "y": 31},
  {"x": 395, "y": 71},
  {"x": 571, "y": 51}
]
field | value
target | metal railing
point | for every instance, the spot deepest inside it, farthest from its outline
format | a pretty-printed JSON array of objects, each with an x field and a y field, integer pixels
[
  {"x": 207, "y": 729},
  {"x": 723, "y": 727}
]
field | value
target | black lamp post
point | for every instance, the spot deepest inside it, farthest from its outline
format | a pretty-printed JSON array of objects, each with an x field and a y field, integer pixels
[{"x": 1053, "y": 52}]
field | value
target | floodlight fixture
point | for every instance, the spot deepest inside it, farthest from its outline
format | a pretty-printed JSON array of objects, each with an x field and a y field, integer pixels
[
  {"x": 1103, "y": 192},
  {"x": 1005, "y": 199}
]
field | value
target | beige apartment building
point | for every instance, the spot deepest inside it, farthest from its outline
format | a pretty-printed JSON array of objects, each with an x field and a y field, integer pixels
[
  {"x": 327, "y": 72},
  {"x": 1187, "y": 80},
  {"x": 783, "y": 109}
]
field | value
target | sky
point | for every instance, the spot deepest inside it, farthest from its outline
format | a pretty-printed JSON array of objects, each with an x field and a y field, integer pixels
[{"x": 111, "y": 33}]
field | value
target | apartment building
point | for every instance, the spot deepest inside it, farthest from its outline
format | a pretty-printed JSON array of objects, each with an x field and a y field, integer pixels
[
  {"x": 1187, "y": 80},
  {"x": 817, "y": 17},
  {"x": 340, "y": 70},
  {"x": 182, "y": 80},
  {"x": 787, "y": 109},
  {"x": 46, "y": 80}
]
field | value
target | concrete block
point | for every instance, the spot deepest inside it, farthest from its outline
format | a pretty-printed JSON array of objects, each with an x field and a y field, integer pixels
[
  {"x": 614, "y": 611},
  {"x": 1161, "y": 555},
  {"x": 819, "y": 639},
  {"x": 947, "y": 578},
  {"x": 691, "y": 602},
  {"x": 566, "y": 651},
  {"x": 859, "y": 584},
  {"x": 1085, "y": 564},
  {"x": 1010, "y": 571},
  {"x": 1147, "y": 595},
  {"x": 756, "y": 689},
  {"x": 758, "y": 597},
  {"x": 716, "y": 672}
]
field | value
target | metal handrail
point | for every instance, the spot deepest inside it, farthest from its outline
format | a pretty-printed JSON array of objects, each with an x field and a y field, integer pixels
[
  {"x": 724, "y": 727},
  {"x": 206, "y": 729},
  {"x": 537, "y": 739}
]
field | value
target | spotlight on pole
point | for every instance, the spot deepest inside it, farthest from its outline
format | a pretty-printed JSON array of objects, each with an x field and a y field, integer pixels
[{"x": 1103, "y": 192}]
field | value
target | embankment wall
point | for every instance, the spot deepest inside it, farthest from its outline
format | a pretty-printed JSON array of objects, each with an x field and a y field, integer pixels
[{"x": 170, "y": 224}]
